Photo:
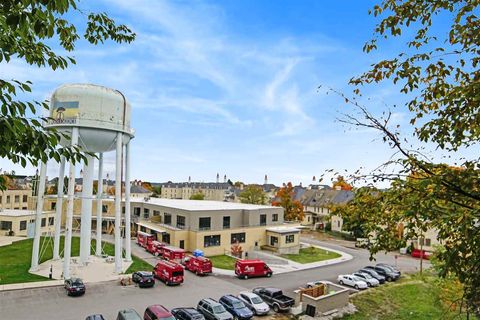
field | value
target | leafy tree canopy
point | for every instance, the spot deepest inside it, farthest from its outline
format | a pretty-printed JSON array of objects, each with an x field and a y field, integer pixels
[
  {"x": 197, "y": 196},
  {"x": 285, "y": 198},
  {"x": 253, "y": 194},
  {"x": 26, "y": 29}
]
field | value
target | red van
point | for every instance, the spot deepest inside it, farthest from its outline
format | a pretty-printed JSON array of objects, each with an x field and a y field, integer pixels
[
  {"x": 173, "y": 254},
  {"x": 155, "y": 248},
  {"x": 143, "y": 239},
  {"x": 169, "y": 272},
  {"x": 157, "y": 312},
  {"x": 252, "y": 268},
  {"x": 198, "y": 265}
]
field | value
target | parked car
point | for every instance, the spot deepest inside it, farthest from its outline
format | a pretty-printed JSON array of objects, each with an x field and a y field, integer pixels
[
  {"x": 252, "y": 268},
  {"x": 187, "y": 314},
  {"x": 169, "y": 272},
  {"x": 198, "y": 265},
  {"x": 143, "y": 279},
  {"x": 95, "y": 317},
  {"x": 352, "y": 281},
  {"x": 254, "y": 303},
  {"x": 386, "y": 272},
  {"x": 128, "y": 314},
  {"x": 159, "y": 312},
  {"x": 390, "y": 266},
  {"x": 417, "y": 253},
  {"x": 212, "y": 310},
  {"x": 275, "y": 298},
  {"x": 74, "y": 287},
  {"x": 314, "y": 283},
  {"x": 374, "y": 274},
  {"x": 371, "y": 281},
  {"x": 236, "y": 307}
]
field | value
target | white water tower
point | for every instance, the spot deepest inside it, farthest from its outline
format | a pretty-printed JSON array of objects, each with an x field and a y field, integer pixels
[{"x": 97, "y": 119}]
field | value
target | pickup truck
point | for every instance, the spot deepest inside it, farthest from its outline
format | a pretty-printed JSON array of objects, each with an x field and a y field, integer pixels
[{"x": 275, "y": 298}]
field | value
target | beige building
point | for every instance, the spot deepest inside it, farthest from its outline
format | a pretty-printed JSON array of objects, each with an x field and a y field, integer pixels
[
  {"x": 184, "y": 190},
  {"x": 18, "y": 199},
  {"x": 22, "y": 222}
]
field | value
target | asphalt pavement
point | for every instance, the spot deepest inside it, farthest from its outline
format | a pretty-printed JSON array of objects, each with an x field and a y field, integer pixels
[{"x": 109, "y": 297}]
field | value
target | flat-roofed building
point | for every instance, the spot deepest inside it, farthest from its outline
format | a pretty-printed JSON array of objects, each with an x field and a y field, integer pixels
[
  {"x": 20, "y": 222},
  {"x": 16, "y": 199}
]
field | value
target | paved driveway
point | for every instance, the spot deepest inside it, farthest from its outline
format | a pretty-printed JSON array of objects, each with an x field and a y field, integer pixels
[{"x": 108, "y": 298}]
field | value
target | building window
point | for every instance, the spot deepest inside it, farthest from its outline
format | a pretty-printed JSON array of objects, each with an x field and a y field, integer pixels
[
  {"x": 123, "y": 209},
  {"x": 105, "y": 208},
  {"x": 143, "y": 229},
  {"x": 146, "y": 211},
  {"x": 290, "y": 238},
  {"x": 226, "y": 222},
  {"x": 17, "y": 199},
  {"x": 24, "y": 208},
  {"x": 167, "y": 219},
  {"x": 428, "y": 242},
  {"x": 166, "y": 237},
  {"x": 23, "y": 225},
  {"x": 6, "y": 225},
  {"x": 273, "y": 241},
  {"x": 238, "y": 237},
  {"x": 263, "y": 219},
  {"x": 211, "y": 241},
  {"x": 25, "y": 198},
  {"x": 338, "y": 223},
  {"x": 44, "y": 222},
  {"x": 136, "y": 211},
  {"x": 53, "y": 205},
  {"x": 8, "y": 199},
  {"x": 181, "y": 222},
  {"x": 204, "y": 223},
  {"x": 275, "y": 217},
  {"x": 50, "y": 221},
  {"x": 1, "y": 198},
  {"x": 156, "y": 213}
]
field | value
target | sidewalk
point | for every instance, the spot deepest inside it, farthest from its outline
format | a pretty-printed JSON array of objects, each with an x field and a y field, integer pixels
[
  {"x": 31, "y": 285},
  {"x": 291, "y": 266}
]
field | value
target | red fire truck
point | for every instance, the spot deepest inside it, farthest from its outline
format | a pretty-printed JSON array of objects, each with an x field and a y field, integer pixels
[
  {"x": 173, "y": 254},
  {"x": 198, "y": 265},
  {"x": 252, "y": 268},
  {"x": 155, "y": 248},
  {"x": 143, "y": 239},
  {"x": 169, "y": 272}
]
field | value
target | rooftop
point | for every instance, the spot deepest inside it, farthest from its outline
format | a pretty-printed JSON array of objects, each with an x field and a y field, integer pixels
[
  {"x": 283, "y": 230},
  {"x": 200, "y": 205}
]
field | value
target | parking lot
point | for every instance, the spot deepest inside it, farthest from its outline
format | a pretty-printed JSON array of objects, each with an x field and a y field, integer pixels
[{"x": 107, "y": 298}]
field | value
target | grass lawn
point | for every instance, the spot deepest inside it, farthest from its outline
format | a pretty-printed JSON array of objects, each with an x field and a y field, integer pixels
[
  {"x": 311, "y": 254},
  {"x": 412, "y": 299},
  {"x": 15, "y": 259},
  {"x": 223, "y": 262}
]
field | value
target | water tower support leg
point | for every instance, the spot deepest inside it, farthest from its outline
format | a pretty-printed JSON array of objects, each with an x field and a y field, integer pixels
[
  {"x": 38, "y": 216},
  {"x": 69, "y": 222},
  {"x": 86, "y": 222},
  {"x": 128, "y": 251},
  {"x": 118, "y": 198},
  {"x": 98, "y": 248},
  {"x": 58, "y": 212}
]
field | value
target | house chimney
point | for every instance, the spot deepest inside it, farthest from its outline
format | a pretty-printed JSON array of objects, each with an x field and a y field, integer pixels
[
  {"x": 218, "y": 178},
  {"x": 301, "y": 185},
  {"x": 314, "y": 179},
  {"x": 338, "y": 188},
  {"x": 189, "y": 179},
  {"x": 225, "y": 179},
  {"x": 266, "y": 180}
]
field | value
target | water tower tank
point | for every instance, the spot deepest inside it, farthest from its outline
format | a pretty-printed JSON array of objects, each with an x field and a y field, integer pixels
[{"x": 97, "y": 111}]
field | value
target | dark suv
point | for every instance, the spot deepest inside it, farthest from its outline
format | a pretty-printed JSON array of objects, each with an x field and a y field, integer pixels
[
  {"x": 374, "y": 274},
  {"x": 386, "y": 272},
  {"x": 74, "y": 287},
  {"x": 236, "y": 307},
  {"x": 143, "y": 278},
  {"x": 187, "y": 314}
]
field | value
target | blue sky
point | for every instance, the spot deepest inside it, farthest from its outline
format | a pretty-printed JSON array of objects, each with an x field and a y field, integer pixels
[{"x": 231, "y": 87}]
